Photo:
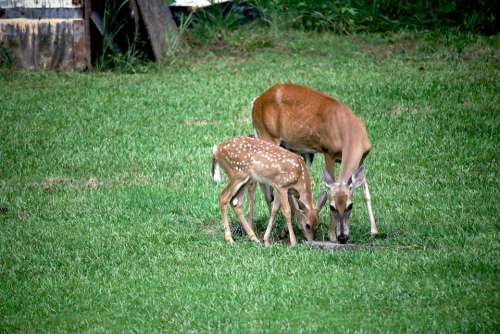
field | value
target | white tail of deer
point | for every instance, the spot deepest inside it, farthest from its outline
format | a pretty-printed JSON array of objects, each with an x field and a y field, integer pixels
[
  {"x": 306, "y": 121},
  {"x": 248, "y": 160}
]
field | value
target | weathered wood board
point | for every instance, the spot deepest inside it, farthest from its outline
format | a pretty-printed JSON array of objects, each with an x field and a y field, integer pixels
[
  {"x": 41, "y": 3},
  {"x": 49, "y": 43},
  {"x": 50, "y": 34}
]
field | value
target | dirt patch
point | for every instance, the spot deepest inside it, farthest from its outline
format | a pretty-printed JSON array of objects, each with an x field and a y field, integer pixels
[
  {"x": 129, "y": 178},
  {"x": 333, "y": 246},
  {"x": 198, "y": 122},
  {"x": 480, "y": 53},
  {"x": 51, "y": 184},
  {"x": 386, "y": 49},
  {"x": 212, "y": 228},
  {"x": 92, "y": 183},
  {"x": 399, "y": 110}
]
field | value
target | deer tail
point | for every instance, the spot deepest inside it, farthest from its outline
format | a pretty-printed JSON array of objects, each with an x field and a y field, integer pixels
[{"x": 216, "y": 176}]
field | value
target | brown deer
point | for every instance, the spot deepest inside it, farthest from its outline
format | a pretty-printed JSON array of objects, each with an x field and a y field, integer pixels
[
  {"x": 248, "y": 160},
  {"x": 307, "y": 121}
]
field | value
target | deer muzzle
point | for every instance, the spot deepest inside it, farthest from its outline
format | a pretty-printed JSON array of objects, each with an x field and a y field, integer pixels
[{"x": 342, "y": 230}]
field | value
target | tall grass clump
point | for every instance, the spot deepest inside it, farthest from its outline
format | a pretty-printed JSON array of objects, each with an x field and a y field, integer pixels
[
  {"x": 113, "y": 55},
  {"x": 175, "y": 40},
  {"x": 216, "y": 22}
]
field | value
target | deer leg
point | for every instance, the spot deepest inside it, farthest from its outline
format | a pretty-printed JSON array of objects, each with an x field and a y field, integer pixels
[
  {"x": 238, "y": 198},
  {"x": 251, "y": 202},
  {"x": 373, "y": 226},
  {"x": 224, "y": 198},
  {"x": 284, "y": 231},
  {"x": 274, "y": 210},
  {"x": 285, "y": 207},
  {"x": 330, "y": 167},
  {"x": 268, "y": 194},
  {"x": 332, "y": 235},
  {"x": 248, "y": 229},
  {"x": 236, "y": 202}
]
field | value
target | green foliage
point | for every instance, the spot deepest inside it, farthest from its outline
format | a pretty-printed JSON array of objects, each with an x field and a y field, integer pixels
[
  {"x": 6, "y": 58},
  {"x": 111, "y": 55},
  {"x": 373, "y": 15},
  {"x": 175, "y": 41},
  {"x": 109, "y": 221},
  {"x": 214, "y": 22}
]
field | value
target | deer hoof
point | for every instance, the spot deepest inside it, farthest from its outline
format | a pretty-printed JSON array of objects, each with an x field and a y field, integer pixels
[
  {"x": 332, "y": 238},
  {"x": 255, "y": 239}
]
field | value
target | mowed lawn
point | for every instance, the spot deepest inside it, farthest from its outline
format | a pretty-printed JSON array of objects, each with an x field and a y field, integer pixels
[{"x": 109, "y": 219}]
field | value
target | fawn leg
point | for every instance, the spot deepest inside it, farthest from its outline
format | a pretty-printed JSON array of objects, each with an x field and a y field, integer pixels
[
  {"x": 285, "y": 207},
  {"x": 274, "y": 210},
  {"x": 232, "y": 192},
  {"x": 224, "y": 198},
  {"x": 248, "y": 229},
  {"x": 252, "y": 186}
]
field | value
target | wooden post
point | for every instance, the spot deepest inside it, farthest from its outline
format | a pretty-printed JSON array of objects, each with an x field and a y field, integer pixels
[{"x": 158, "y": 21}]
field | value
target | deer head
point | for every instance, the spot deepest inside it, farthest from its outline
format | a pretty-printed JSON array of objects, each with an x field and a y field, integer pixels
[
  {"x": 341, "y": 201},
  {"x": 308, "y": 219}
]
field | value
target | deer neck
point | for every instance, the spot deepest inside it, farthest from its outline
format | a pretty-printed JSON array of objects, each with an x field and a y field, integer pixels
[
  {"x": 351, "y": 160},
  {"x": 305, "y": 192}
]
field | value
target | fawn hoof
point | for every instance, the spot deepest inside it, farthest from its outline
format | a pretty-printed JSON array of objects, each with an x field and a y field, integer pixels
[
  {"x": 255, "y": 239},
  {"x": 373, "y": 236}
]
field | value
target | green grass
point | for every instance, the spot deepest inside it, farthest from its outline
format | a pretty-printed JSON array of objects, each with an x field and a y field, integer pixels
[{"x": 111, "y": 223}]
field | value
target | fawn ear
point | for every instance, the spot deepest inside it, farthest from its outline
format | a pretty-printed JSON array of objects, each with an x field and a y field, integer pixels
[
  {"x": 321, "y": 200},
  {"x": 297, "y": 204},
  {"x": 327, "y": 178},
  {"x": 358, "y": 178}
]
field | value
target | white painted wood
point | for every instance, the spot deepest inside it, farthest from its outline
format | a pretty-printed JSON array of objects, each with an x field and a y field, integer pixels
[{"x": 39, "y": 4}]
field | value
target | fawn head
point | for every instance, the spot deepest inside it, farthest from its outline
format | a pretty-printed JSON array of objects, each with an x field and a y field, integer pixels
[{"x": 308, "y": 219}]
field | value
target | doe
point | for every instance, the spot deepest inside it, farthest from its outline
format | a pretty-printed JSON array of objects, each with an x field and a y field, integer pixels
[{"x": 306, "y": 122}]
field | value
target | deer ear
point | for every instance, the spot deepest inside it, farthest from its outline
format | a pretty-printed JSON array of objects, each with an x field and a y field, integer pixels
[
  {"x": 327, "y": 179},
  {"x": 358, "y": 178},
  {"x": 297, "y": 204},
  {"x": 321, "y": 200}
]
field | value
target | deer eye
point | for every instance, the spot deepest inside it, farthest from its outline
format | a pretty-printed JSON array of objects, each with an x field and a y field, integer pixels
[
  {"x": 308, "y": 226},
  {"x": 333, "y": 208},
  {"x": 349, "y": 207}
]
